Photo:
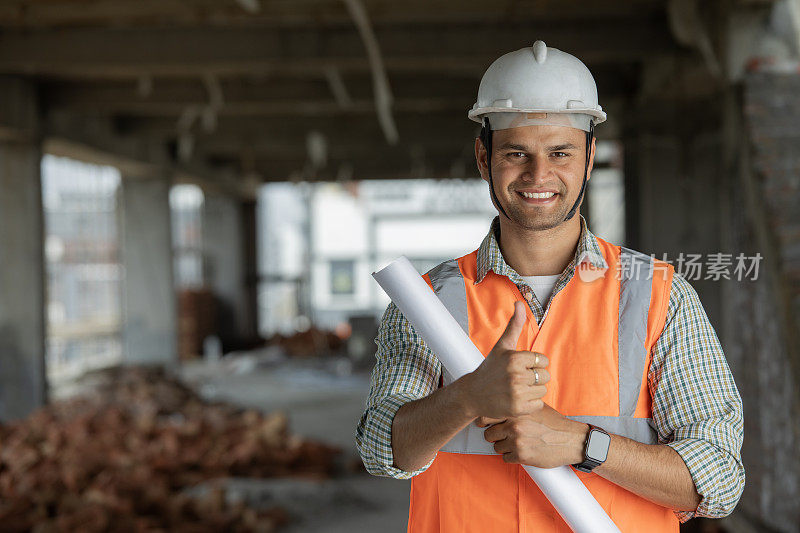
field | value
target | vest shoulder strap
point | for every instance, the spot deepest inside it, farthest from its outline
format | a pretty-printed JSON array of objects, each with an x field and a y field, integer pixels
[
  {"x": 447, "y": 282},
  {"x": 644, "y": 292}
]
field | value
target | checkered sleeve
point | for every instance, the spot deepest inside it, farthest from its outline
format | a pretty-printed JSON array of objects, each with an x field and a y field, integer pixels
[
  {"x": 697, "y": 408},
  {"x": 405, "y": 370}
]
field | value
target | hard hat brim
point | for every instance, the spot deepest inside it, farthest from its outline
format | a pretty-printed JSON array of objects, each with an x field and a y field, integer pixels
[{"x": 477, "y": 115}]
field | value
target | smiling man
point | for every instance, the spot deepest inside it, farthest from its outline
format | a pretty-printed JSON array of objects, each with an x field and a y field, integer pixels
[{"x": 615, "y": 371}]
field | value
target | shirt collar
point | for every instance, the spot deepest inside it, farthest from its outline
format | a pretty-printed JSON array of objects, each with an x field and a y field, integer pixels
[{"x": 490, "y": 257}]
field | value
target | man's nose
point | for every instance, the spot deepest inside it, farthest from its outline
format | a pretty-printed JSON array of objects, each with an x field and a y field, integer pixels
[{"x": 536, "y": 169}]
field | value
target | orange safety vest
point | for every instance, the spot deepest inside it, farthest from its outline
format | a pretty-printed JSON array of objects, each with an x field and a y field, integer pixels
[{"x": 598, "y": 336}]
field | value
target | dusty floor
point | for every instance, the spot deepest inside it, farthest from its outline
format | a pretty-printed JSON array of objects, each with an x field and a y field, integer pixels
[{"x": 323, "y": 401}]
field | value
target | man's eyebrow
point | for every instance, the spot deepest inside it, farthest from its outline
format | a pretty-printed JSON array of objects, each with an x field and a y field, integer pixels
[
  {"x": 567, "y": 146},
  {"x": 511, "y": 146},
  {"x": 523, "y": 148}
]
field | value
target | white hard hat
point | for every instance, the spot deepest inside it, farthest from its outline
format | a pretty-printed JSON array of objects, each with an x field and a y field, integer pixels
[{"x": 537, "y": 85}]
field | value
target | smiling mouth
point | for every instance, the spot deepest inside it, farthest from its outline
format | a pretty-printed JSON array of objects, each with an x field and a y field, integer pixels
[{"x": 537, "y": 198}]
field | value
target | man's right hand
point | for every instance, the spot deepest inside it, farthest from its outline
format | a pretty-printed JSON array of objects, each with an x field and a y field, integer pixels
[{"x": 504, "y": 385}]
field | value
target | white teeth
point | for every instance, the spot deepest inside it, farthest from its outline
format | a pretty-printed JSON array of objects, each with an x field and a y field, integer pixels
[{"x": 537, "y": 194}]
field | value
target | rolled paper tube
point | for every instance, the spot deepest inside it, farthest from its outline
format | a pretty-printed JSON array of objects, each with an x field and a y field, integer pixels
[{"x": 437, "y": 327}]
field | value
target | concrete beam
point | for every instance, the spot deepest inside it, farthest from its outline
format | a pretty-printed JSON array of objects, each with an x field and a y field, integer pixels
[
  {"x": 95, "y": 139},
  {"x": 298, "y": 13},
  {"x": 277, "y": 148},
  {"x": 279, "y": 108},
  {"x": 391, "y": 164},
  {"x": 277, "y": 96},
  {"x": 197, "y": 51},
  {"x": 358, "y": 128},
  {"x": 294, "y": 149}
]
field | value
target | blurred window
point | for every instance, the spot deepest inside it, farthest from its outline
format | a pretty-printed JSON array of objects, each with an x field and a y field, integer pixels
[
  {"x": 282, "y": 220},
  {"x": 606, "y": 194},
  {"x": 186, "y": 208},
  {"x": 84, "y": 274},
  {"x": 342, "y": 277}
]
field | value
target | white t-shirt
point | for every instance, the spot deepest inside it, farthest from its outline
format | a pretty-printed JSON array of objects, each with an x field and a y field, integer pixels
[{"x": 542, "y": 286}]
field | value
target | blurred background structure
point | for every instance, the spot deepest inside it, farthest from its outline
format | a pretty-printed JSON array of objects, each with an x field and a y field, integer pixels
[{"x": 206, "y": 186}]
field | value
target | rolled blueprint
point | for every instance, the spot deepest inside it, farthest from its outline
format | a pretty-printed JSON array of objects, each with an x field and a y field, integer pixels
[{"x": 459, "y": 356}]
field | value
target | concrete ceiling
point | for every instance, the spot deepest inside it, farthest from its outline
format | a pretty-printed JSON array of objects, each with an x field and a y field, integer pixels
[{"x": 256, "y": 87}]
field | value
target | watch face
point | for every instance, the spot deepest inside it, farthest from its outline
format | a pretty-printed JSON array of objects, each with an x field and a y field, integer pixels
[{"x": 598, "y": 446}]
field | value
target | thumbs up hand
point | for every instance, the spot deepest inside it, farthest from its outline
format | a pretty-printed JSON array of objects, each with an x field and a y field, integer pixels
[{"x": 505, "y": 384}]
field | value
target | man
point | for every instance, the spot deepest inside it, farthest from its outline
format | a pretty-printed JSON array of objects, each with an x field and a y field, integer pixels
[{"x": 615, "y": 370}]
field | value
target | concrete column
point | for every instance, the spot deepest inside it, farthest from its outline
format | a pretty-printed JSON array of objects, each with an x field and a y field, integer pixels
[
  {"x": 673, "y": 173},
  {"x": 228, "y": 246},
  {"x": 22, "y": 319},
  {"x": 149, "y": 304},
  {"x": 249, "y": 327}
]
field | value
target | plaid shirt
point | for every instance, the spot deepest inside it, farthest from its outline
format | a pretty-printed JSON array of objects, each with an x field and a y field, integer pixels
[{"x": 697, "y": 409}]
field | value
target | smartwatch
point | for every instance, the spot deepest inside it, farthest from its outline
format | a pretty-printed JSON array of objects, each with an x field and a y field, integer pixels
[{"x": 595, "y": 449}]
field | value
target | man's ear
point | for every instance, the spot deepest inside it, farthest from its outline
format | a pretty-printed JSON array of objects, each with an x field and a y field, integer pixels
[{"x": 480, "y": 159}]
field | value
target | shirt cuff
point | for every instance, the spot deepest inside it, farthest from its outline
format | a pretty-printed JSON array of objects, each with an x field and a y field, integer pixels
[
  {"x": 719, "y": 493},
  {"x": 375, "y": 438}
]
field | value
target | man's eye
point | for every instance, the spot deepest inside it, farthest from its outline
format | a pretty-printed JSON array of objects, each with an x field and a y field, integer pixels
[
  {"x": 517, "y": 154},
  {"x": 559, "y": 154}
]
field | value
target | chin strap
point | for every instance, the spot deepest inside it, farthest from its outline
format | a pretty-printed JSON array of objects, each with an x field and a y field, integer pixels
[
  {"x": 486, "y": 138},
  {"x": 589, "y": 137}
]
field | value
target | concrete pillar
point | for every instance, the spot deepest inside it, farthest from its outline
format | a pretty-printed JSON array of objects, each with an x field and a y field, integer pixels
[
  {"x": 229, "y": 248},
  {"x": 149, "y": 305},
  {"x": 249, "y": 326},
  {"x": 673, "y": 174},
  {"x": 22, "y": 319},
  {"x": 764, "y": 328}
]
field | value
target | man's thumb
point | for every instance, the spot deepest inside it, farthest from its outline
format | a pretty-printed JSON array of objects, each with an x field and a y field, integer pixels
[{"x": 512, "y": 332}]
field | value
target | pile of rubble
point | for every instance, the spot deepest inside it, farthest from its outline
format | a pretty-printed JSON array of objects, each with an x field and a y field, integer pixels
[
  {"x": 309, "y": 343},
  {"x": 122, "y": 458}
]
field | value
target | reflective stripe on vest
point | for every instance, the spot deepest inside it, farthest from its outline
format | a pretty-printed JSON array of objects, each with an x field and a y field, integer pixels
[{"x": 635, "y": 289}]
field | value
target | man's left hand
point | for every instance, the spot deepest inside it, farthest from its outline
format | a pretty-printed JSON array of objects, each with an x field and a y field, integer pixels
[{"x": 545, "y": 439}]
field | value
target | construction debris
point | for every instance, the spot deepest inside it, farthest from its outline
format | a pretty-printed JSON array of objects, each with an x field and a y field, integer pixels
[
  {"x": 197, "y": 319},
  {"x": 309, "y": 343},
  {"x": 124, "y": 456}
]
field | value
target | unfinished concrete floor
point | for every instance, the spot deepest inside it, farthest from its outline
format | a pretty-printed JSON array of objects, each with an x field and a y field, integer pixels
[{"x": 323, "y": 401}]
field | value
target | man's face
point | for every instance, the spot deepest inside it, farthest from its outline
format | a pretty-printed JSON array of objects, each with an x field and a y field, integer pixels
[{"x": 531, "y": 160}]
